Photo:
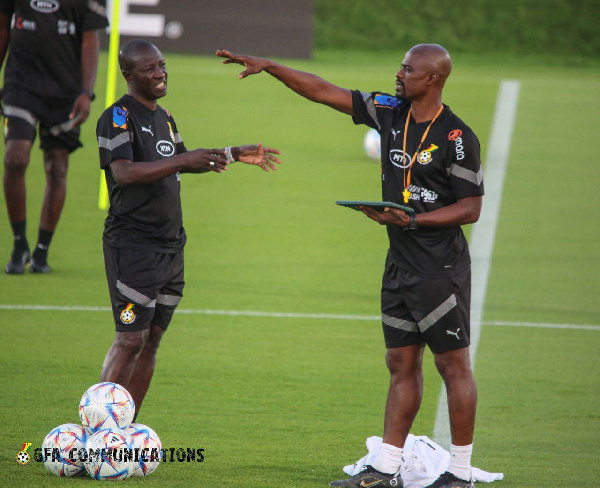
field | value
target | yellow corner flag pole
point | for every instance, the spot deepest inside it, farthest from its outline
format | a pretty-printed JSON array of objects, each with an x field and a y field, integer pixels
[{"x": 111, "y": 85}]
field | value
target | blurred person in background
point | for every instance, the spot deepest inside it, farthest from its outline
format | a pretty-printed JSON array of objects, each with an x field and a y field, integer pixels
[{"x": 48, "y": 87}]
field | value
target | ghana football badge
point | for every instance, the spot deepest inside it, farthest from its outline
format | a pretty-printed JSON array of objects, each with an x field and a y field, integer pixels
[
  {"x": 127, "y": 315},
  {"x": 425, "y": 155},
  {"x": 23, "y": 456}
]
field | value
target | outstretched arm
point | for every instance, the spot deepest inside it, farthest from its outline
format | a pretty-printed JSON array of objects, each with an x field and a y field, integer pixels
[
  {"x": 126, "y": 172},
  {"x": 306, "y": 84}
]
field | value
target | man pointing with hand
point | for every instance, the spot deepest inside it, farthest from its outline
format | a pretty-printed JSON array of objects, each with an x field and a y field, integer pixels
[{"x": 431, "y": 162}]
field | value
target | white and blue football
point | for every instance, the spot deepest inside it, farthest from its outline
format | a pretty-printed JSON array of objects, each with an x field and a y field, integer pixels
[{"x": 106, "y": 405}]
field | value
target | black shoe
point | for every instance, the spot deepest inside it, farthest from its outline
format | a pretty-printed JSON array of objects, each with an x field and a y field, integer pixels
[
  {"x": 448, "y": 480},
  {"x": 39, "y": 265},
  {"x": 39, "y": 260},
  {"x": 370, "y": 477},
  {"x": 19, "y": 259}
]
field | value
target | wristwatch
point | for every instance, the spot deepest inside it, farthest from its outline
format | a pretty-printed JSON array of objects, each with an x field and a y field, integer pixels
[
  {"x": 90, "y": 94},
  {"x": 413, "y": 222}
]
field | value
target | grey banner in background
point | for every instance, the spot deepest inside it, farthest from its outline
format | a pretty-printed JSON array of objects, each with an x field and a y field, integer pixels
[{"x": 262, "y": 27}]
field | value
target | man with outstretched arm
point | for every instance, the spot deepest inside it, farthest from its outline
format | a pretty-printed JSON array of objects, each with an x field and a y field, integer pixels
[
  {"x": 142, "y": 155},
  {"x": 431, "y": 162}
]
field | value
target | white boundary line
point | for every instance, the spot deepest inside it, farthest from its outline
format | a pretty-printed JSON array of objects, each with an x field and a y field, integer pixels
[
  {"x": 292, "y": 315},
  {"x": 544, "y": 325},
  {"x": 484, "y": 231}
]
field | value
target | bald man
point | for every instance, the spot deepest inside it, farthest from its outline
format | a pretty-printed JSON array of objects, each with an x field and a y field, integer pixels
[
  {"x": 142, "y": 155},
  {"x": 430, "y": 162}
]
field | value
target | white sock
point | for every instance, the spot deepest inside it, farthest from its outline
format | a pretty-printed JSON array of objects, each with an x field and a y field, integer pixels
[
  {"x": 460, "y": 461},
  {"x": 388, "y": 460}
]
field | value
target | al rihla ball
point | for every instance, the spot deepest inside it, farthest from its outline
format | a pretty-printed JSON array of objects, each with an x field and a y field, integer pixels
[
  {"x": 149, "y": 447},
  {"x": 106, "y": 405},
  {"x": 372, "y": 144},
  {"x": 109, "y": 455},
  {"x": 62, "y": 449}
]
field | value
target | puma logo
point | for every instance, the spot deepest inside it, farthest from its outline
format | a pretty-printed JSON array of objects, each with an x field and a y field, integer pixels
[
  {"x": 148, "y": 129},
  {"x": 395, "y": 133},
  {"x": 455, "y": 334}
]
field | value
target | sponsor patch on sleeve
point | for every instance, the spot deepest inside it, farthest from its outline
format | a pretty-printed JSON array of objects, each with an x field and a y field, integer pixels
[
  {"x": 385, "y": 101},
  {"x": 454, "y": 134},
  {"x": 120, "y": 117}
]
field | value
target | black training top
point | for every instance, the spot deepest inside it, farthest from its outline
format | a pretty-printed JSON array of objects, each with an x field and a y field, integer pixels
[
  {"x": 148, "y": 216},
  {"x": 447, "y": 168},
  {"x": 45, "y": 44}
]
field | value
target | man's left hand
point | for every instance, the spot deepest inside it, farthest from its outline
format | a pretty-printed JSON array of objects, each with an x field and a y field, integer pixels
[
  {"x": 389, "y": 216},
  {"x": 81, "y": 109},
  {"x": 259, "y": 156}
]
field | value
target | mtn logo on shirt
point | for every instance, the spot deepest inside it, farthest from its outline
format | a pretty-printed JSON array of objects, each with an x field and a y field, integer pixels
[
  {"x": 165, "y": 148},
  {"x": 45, "y": 6}
]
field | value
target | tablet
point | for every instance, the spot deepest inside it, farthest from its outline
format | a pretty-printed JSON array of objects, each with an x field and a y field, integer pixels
[{"x": 379, "y": 206}]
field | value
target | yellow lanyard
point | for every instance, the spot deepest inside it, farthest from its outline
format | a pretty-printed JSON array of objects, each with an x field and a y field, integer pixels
[{"x": 405, "y": 177}]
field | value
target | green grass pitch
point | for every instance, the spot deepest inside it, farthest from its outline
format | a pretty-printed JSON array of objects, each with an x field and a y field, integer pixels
[{"x": 286, "y": 402}]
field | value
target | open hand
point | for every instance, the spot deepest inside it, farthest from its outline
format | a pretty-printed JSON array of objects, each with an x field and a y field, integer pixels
[
  {"x": 253, "y": 64},
  {"x": 259, "y": 156}
]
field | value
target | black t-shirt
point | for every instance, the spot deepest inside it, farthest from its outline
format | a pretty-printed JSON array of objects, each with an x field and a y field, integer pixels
[
  {"x": 148, "y": 216},
  {"x": 447, "y": 168},
  {"x": 45, "y": 44}
]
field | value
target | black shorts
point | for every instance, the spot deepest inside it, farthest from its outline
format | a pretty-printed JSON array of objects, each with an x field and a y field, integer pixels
[
  {"x": 417, "y": 310},
  {"x": 145, "y": 287},
  {"x": 24, "y": 112}
]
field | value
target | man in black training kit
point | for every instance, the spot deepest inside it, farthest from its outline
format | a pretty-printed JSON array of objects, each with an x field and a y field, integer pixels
[
  {"x": 142, "y": 155},
  {"x": 430, "y": 162},
  {"x": 48, "y": 79}
]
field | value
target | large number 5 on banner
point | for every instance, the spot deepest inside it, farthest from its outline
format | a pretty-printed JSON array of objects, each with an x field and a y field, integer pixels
[{"x": 111, "y": 85}]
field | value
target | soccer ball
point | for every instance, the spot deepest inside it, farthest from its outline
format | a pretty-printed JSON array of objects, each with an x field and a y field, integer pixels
[
  {"x": 61, "y": 450},
  {"x": 109, "y": 455},
  {"x": 372, "y": 144},
  {"x": 149, "y": 445},
  {"x": 105, "y": 406},
  {"x": 23, "y": 457}
]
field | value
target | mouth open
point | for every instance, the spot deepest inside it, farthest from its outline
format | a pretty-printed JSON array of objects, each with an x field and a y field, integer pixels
[{"x": 161, "y": 85}]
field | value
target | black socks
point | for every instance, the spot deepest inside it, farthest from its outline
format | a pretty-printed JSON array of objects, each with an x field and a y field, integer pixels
[
  {"x": 18, "y": 229},
  {"x": 41, "y": 249}
]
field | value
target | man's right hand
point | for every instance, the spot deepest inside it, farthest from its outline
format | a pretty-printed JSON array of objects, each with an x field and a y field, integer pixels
[
  {"x": 253, "y": 64},
  {"x": 203, "y": 160},
  {"x": 308, "y": 85}
]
